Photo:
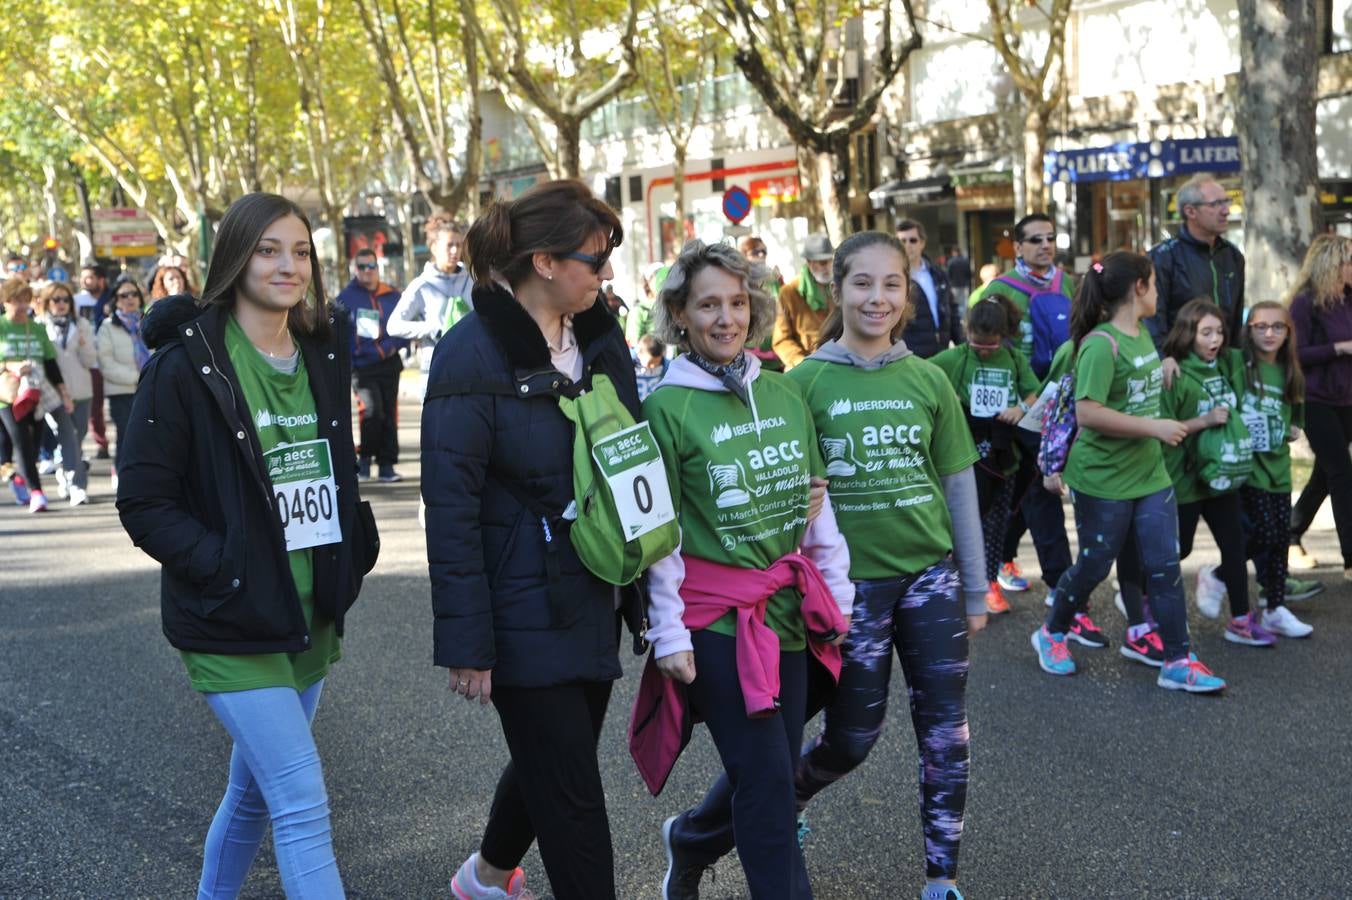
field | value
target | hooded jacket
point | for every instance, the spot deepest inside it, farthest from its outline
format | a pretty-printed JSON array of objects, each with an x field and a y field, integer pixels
[
  {"x": 492, "y": 426},
  {"x": 194, "y": 493},
  {"x": 1185, "y": 269},
  {"x": 384, "y": 300},
  {"x": 427, "y": 308}
]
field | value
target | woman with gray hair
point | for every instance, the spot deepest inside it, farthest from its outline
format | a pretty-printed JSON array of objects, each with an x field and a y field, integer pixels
[{"x": 757, "y": 581}]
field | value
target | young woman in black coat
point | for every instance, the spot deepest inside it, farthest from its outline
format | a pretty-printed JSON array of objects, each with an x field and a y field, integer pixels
[
  {"x": 518, "y": 620},
  {"x": 238, "y": 477}
]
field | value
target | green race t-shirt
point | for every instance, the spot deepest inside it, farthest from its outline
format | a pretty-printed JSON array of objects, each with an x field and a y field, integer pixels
[
  {"x": 1115, "y": 468},
  {"x": 740, "y": 493},
  {"x": 888, "y": 435},
  {"x": 1199, "y": 388},
  {"x": 24, "y": 342},
  {"x": 1270, "y": 418},
  {"x": 999, "y": 381},
  {"x": 283, "y": 411}
]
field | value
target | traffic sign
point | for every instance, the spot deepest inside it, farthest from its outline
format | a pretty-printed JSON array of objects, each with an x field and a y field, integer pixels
[{"x": 736, "y": 204}]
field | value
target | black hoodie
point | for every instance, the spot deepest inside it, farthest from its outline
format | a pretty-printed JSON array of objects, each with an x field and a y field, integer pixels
[{"x": 194, "y": 494}]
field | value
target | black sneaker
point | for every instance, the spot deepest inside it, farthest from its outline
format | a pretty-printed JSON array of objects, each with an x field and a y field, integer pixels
[
  {"x": 683, "y": 875},
  {"x": 1084, "y": 631},
  {"x": 1149, "y": 650},
  {"x": 388, "y": 475},
  {"x": 103, "y": 454}
]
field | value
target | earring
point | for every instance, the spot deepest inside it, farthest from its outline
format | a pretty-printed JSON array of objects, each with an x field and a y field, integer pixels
[{"x": 681, "y": 332}]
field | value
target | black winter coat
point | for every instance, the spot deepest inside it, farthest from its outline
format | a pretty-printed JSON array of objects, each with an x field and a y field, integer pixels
[
  {"x": 193, "y": 491},
  {"x": 494, "y": 602},
  {"x": 924, "y": 336},
  {"x": 1185, "y": 269}
]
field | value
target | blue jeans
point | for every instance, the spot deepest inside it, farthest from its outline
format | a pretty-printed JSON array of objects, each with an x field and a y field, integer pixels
[
  {"x": 1103, "y": 526},
  {"x": 274, "y": 776}
]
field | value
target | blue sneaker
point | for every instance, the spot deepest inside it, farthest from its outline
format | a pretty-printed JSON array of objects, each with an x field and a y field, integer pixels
[
  {"x": 1189, "y": 675},
  {"x": 20, "y": 490},
  {"x": 1053, "y": 655},
  {"x": 1011, "y": 578},
  {"x": 938, "y": 891},
  {"x": 803, "y": 829}
]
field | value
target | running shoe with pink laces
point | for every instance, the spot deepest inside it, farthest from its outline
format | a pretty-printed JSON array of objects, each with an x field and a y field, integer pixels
[
  {"x": 1247, "y": 630},
  {"x": 1011, "y": 578},
  {"x": 1149, "y": 649},
  {"x": 1053, "y": 656},
  {"x": 1084, "y": 631},
  {"x": 1189, "y": 675},
  {"x": 996, "y": 604},
  {"x": 465, "y": 884}
]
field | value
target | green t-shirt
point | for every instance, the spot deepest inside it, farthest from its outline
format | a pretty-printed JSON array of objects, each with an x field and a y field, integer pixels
[
  {"x": 1270, "y": 418},
  {"x": 888, "y": 436},
  {"x": 24, "y": 342},
  {"x": 1118, "y": 468},
  {"x": 283, "y": 412},
  {"x": 1005, "y": 373},
  {"x": 1020, "y": 300},
  {"x": 1199, "y": 388},
  {"x": 741, "y": 497},
  {"x": 1061, "y": 365}
]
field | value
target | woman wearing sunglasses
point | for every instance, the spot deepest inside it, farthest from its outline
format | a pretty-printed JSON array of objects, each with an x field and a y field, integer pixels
[
  {"x": 122, "y": 355},
  {"x": 73, "y": 339},
  {"x": 519, "y": 621}
]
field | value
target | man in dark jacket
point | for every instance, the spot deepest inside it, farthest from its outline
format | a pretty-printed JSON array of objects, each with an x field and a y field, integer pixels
[
  {"x": 375, "y": 365},
  {"x": 959, "y": 269},
  {"x": 935, "y": 324},
  {"x": 1199, "y": 262}
]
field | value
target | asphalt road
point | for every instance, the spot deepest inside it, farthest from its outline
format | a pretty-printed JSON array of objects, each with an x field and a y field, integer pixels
[{"x": 1101, "y": 785}]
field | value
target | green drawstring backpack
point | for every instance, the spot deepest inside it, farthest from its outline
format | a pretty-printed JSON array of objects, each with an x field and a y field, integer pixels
[
  {"x": 625, "y": 520},
  {"x": 1223, "y": 455}
]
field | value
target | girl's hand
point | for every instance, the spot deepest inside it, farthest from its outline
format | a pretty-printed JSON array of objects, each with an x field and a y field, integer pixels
[
  {"x": 472, "y": 683},
  {"x": 1170, "y": 432},
  {"x": 844, "y": 633},
  {"x": 816, "y": 496},
  {"x": 1219, "y": 415},
  {"x": 1342, "y": 348},
  {"x": 1170, "y": 369},
  {"x": 1011, "y": 416},
  {"x": 678, "y": 666},
  {"x": 1054, "y": 485},
  {"x": 976, "y": 623}
]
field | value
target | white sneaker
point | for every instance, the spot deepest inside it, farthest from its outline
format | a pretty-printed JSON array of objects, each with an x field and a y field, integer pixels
[
  {"x": 78, "y": 496},
  {"x": 1298, "y": 559},
  {"x": 1284, "y": 622},
  {"x": 1210, "y": 592},
  {"x": 62, "y": 484},
  {"x": 37, "y": 502},
  {"x": 46, "y": 466}
]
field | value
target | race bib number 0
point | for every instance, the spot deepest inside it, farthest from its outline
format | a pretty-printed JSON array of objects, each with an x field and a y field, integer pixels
[
  {"x": 306, "y": 493},
  {"x": 632, "y": 465},
  {"x": 989, "y": 392},
  {"x": 368, "y": 324},
  {"x": 1259, "y": 432}
]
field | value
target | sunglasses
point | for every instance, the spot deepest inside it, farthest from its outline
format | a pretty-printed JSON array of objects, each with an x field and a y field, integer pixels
[
  {"x": 909, "y": 240},
  {"x": 367, "y": 267},
  {"x": 1039, "y": 239},
  {"x": 597, "y": 263},
  {"x": 127, "y": 295}
]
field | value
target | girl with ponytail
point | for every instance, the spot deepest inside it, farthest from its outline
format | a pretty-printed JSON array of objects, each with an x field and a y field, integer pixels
[{"x": 1116, "y": 472}]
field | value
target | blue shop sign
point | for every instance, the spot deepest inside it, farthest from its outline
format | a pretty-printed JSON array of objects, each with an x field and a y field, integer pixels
[{"x": 1152, "y": 159}]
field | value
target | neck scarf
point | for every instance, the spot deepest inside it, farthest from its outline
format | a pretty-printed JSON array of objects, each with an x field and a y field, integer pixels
[
  {"x": 132, "y": 322},
  {"x": 731, "y": 374},
  {"x": 1042, "y": 281},
  {"x": 812, "y": 292},
  {"x": 63, "y": 325}
]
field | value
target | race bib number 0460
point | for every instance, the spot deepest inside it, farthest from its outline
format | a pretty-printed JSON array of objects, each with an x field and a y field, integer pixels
[
  {"x": 306, "y": 493},
  {"x": 632, "y": 465}
]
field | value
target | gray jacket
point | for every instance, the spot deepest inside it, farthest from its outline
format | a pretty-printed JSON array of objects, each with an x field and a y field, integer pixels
[{"x": 431, "y": 304}]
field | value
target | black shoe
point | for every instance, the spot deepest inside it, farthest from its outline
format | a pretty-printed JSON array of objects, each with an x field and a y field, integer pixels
[
  {"x": 388, "y": 475},
  {"x": 102, "y": 454},
  {"x": 683, "y": 875}
]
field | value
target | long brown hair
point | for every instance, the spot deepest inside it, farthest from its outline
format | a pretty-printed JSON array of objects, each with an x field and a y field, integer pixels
[
  {"x": 237, "y": 238},
  {"x": 1178, "y": 343},
  {"x": 833, "y": 329},
  {"x": 556, "y": 217},
  {"x": 1104, "y": 288},
  {"x": 1293, "y": 387}
]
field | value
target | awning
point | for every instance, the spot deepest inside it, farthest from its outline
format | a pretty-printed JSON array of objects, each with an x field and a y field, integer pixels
[{"x": 920, "y": 190}]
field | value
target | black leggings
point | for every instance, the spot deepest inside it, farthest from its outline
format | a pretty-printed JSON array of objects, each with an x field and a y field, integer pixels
[
  {"x": 995, "y": 493},
  {"x": 1267, "y": 523},
  {"x": 551, "y": 790},
  {"x": 1329, "y": 429},
  {"x": 923, "y": 619},
  {"x": 1312, "y": 497},
  {"x": 377, "y": 389},
  {"x": 1224, "y": 515},
  {"x": 25, "y": 434}
]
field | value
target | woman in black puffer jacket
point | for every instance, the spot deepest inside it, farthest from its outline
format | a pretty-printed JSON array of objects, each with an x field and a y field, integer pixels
[{"x": 518, "y": 619}]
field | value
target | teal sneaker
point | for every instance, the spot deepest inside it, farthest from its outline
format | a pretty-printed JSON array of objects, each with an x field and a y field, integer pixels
[
  {"x": 1189, "y": 675},
  {"x": 1052, "y": 653},
  {"x": 936, "y": 890},
  {"x": 803, "y": 830}
]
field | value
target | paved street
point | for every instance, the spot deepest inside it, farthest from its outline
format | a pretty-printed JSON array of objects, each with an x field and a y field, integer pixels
[{"x": 1093, "y": 786}]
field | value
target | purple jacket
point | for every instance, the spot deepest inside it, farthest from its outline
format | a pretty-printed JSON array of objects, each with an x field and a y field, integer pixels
[{"x": 1328, "y": 376}]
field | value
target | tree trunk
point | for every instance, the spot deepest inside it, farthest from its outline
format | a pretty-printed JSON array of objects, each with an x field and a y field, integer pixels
[
  {"x": 831, "y": 171},
  {"x": 1034, "y": 197},
  {"x": 678, "y": 189},
  {"x": 809, "y": 191},
  {"x": 570, "y": 147},
  {"x": 1277, "y": 86}
]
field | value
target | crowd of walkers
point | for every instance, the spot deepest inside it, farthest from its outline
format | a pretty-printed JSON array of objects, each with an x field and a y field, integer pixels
[{"x": 846, "y": 462}]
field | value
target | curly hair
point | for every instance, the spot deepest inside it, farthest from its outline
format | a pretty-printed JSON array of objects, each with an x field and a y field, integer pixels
[
  {"x": 1321, "y": 272},
  {"x": 675, "y": 294}
]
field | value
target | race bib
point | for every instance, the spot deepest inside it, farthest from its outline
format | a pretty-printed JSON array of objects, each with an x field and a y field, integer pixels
[
  {"x": 632, "y": 466},
  {"x": 1259, "y": 433},
  {"x": 989, "y": 392},
  {"x": 306, "y": 493},
  {"x": 368, "y": 324}
]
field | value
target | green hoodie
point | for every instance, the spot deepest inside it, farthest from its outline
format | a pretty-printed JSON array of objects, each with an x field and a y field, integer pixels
[{"x": 1199, "y": 387}]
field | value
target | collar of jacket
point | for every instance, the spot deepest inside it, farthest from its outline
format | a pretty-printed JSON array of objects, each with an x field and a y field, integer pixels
[
  {"x": 1186, "y": 237},
  {"x": 520, "y": 339},
  {"x": 382, "y": 289}
]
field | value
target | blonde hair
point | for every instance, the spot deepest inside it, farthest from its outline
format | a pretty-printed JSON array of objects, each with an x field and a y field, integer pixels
[
  {"x": 1321, "y": 273},
  {"x": 675, "y": 294}
]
